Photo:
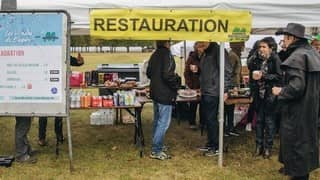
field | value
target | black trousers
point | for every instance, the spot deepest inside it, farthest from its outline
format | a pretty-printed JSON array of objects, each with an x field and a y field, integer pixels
[
  {"x": 229, "y": 117},
  {"x": 21, "y": 139},
  {"x": 193, "y": 112},
  {"x": 43, "y": 127},
  {"x": 210, "y": 105},
  {"x": 306, "y": 177},
  {"x": 265, "y": 128},
  {"x": 253, "y": 106}
]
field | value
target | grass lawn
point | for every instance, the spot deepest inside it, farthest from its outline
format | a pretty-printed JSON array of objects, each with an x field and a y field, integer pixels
[{"x": 108, "y": 152}]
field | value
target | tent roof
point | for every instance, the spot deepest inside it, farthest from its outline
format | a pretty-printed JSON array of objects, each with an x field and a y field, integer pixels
[{"x": 266, "y": 14}]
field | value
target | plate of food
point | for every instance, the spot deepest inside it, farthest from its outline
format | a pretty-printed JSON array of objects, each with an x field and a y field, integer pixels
[
  {"x": 237, "y": 93},
  {"x": 110, "y": 84},
  {"x": 187, "y": 93}
]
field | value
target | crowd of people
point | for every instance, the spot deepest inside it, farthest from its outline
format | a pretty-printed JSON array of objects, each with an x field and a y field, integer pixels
[{"x": 284, "y": 86}]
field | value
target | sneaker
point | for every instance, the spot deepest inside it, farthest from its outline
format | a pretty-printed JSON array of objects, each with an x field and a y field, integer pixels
[
  {"x": 226, "y": 135},
  {"x": 33, "y": 152},
  {"x": 193, "y": 127},
  {"x": 27, "y": 159},
  {"x": 204, "y": 148},
  {"x": 211, "y": 153},
  {"x": 60, "y": 139},
  {"x": 282, "y": 171},
  {"x": 165, "y": 148},
  {"x": 234, "y": 133},
  {"x": 248, "y": 127},
  {"x": 42, "y": 142},
  {"x": 160, "y": 156}
]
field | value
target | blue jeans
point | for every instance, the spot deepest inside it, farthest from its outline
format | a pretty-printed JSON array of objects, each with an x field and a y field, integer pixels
[{"x": 161, "y": 122}]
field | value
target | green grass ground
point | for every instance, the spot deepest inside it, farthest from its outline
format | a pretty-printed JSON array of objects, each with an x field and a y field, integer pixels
[{"x": 108, "y": 152}]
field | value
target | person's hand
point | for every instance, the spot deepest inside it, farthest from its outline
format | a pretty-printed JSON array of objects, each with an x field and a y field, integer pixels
[
  {"x": 193, "y": 68},
  {"x": 225, "y": 96},
  {"x": 256, "y": 75},
  {"x": 276, "y": 91}
]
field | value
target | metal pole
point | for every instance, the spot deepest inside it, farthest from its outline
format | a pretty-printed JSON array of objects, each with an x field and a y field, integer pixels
[
  {"x": 69, "y": 143},
  {"x": 8, "y": 5},
  {"x": 181, "y": 60},
  {"x": 69, "y": 93},
  {"x": 185, "y": 50},
  {"x": 221, "y": 105},
  {"x": 185, "y": 59}
]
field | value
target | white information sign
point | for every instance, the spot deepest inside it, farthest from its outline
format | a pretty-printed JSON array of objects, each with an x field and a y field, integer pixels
[{"x": 33, "y": 56}]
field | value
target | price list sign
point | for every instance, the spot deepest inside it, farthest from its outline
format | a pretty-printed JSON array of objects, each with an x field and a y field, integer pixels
[{"x": 33, "y": 66}]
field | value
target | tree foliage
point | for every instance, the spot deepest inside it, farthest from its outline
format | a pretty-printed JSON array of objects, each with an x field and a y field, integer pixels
[{"x": 86, "y": 40}]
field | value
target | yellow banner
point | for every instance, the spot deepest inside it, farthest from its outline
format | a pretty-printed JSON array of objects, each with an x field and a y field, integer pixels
[{"x": 176, "y": 24}]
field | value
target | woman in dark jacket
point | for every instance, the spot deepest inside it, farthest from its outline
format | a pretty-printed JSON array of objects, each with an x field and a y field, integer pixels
[
  {"x": 254, "y": 62},
  {"x": 268, "y": 76},
  {"x": 191, "y": 76}
]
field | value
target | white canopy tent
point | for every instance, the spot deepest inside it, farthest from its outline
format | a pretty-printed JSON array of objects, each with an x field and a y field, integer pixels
[{"x": 266, "y": 14}]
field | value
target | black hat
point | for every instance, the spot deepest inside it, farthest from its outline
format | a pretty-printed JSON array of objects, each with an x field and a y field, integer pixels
[{"x": 294, "y": 29}]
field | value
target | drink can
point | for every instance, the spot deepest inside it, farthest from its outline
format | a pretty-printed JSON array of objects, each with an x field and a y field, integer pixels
[{"x": 101, "y": 78}]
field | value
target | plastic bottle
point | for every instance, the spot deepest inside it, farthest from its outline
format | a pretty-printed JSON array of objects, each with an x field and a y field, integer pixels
[
  {"x": 78, "y": 96},
  {"x": 89, "y": 100},
  {"x": 121, "y": 99},
  {"x": 72, "y": 99},
  {"x": 115, "y": 99},
  {"x": 82, "y": 101},
  {"x": 99, "y": 101}
]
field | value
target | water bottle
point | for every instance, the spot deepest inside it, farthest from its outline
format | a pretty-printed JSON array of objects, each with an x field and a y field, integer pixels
[
  {"x": 72, "y": 99},
  {"x": 78, "y": 96},
  {"x": 115, "y": 99}
]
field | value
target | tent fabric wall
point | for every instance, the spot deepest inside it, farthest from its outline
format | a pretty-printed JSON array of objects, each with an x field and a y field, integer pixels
[{"x": 266, "y": 14}]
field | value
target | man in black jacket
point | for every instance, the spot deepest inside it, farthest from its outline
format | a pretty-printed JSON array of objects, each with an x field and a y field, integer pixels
[
  {"x": 163, "y": 91},
  {"x": 209, "y": 83},
  {"x": 299, "y": 98}
]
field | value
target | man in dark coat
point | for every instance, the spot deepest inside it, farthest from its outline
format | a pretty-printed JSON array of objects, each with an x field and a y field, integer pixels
[
  {"x": 164, "y": 84},
  {"x": 299, "y": 98},
  {"x": 210, "y": 91}
]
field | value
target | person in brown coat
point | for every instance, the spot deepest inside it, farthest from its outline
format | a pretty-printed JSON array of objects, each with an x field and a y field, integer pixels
[
  {"x": 235, "y": 61},
  {"x": 191, "y": 76}
]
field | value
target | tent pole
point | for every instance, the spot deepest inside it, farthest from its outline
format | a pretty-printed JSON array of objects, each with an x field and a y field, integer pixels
[
  {"x": 185, "y": 50},
  {"x": 184, "y": 59},
  {"x": 181, "y": 60},
  {"x": 221, "y": 104}
]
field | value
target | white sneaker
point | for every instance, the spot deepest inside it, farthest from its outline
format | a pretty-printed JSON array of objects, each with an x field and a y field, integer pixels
[{"x": 248, "y": 127}]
